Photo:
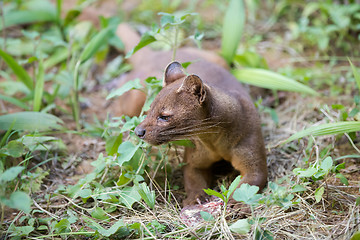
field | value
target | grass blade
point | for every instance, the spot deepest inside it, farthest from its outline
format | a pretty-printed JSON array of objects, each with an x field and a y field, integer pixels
[
  {"x": 14, "y": 101},
  {"x": 19, "y": 71},
  {"x": 39, "y": 87},
  {"x": 28, "y": 16},
  {"x": 95, "y": 43},
  {"x": 30, "y": 121},
  {"x": 60, "y": 55},
  {"x": 356, "y": 74},
  {"x": 233, "y": 26},
  {"x": 271, "y": 80},
  {"x": 327, "y": 129}
]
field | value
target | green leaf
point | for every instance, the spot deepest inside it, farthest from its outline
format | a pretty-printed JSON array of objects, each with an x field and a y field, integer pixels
[
  {"x": 95, "y": 43},
  {"x": 211, "y": 192},
  {"x": 326, "y": 164},
  {"x": 18, "y": 200},
  {"x": 61, "y": 54},
  {"x": 206, "y": 216},
  {"x": 39, "y": 87},
  {"x": 271, "y": 80},
  {"x": 21, "y": 231},
  {"x": 28, "y": 16},
  {"x": 241, "y": 226},
  {"x": 15, "y": 149},
  {"x": 126, "y": 152},
  {"x": 263, "y": 234},
  {"x": 104, "y": 232},
  {"x": 145, "y": 40},
  {"x": 62, "y": 226},
  {"x": 305, "y": 173},
  {"x": 166, "y": 19},
  {"x": 14, "y": 101},
  {"x": 233, "y": 26},
  {"x": 19, "y": 71},
  {"x": 356, "y": 236},
  {"x": 135, "y": 84},
  {"x": 247, "y": 194},
  {"x": 112, "y": 144},
  {"x": 99, "y": 213},
  {"x": 234, "y": 185},
  {"x": 113, "y": 229},
  {"x": 327, "y": 129},
  {"x": 11, "y": 173},
  {"x": 319, "y": 193},
  {"x": 31, "y": 121},
  {"x": 343, "y": 179},
  {"x": 298, "y": 188},
  {"x": 356, "y": 74},
  {"x": 129, "y": 195},
  {"x": 147, "y": 195},
  {"x": 84, "y": 193}
]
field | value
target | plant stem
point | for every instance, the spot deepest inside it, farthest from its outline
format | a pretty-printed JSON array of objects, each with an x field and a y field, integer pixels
[
  {"x": 75, "y": 96},
  {"x": 175, "y": 43},
  {"x": 2, "y": 214},
  {"x": 3, "y": 29},
  {"x": 63, "y": 234}
]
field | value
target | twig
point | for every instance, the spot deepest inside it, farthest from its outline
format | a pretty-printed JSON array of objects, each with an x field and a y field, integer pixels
[{"x": 47, "y": 212}]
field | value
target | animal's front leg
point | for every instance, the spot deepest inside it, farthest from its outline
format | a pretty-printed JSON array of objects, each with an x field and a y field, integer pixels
[{"x": 195, "y": 180}]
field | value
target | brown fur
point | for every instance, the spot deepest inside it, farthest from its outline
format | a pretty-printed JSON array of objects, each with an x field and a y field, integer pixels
[{"x": 212, "y": 109}]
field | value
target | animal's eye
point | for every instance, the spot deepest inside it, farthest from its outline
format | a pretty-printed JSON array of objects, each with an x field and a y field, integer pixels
[{"x": 164, "y": 118}]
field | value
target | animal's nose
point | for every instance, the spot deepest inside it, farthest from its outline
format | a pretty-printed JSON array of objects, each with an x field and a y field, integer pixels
[{"x": 140, "y": 132}]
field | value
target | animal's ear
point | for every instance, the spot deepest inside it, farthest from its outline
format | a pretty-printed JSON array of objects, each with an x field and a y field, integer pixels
[
  {"x": 193, "y": 84},
  {"x": 173, "y": 72}
]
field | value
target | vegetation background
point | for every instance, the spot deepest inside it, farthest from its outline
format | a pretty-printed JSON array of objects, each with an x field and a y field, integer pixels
[{"x": 71, "y": 169}]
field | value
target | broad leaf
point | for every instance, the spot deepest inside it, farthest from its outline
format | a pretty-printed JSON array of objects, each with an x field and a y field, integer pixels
[
  {"x": 62, "y": 226},
  {"x": 135, "y": 84},
  {"x": 30, "y": 121},
  {"x": 271, "y": 80},
  {"x": 99, "y": 213},
  {"x": 28, "y": 16},
  {"x": 126, "y": 152},
  {"x": 233, "y": 26},
  {"x": 211, "y": 192},
  {"x": 104, "y": 232},
  {"x": 11, "y": 173},
  {"x": 327, "y": 129},
  {"x": 326, "y": 164},
  {"x": 305, "y": 173},
  {"x": 319, "y": 193},
  {"x": 129, "y": 195},
  {"x": 234, "y": 185},
  {"x": 18, "y": 200},
  {"x": 241, "y": 226},
  {"x": 247, "y": 194}
]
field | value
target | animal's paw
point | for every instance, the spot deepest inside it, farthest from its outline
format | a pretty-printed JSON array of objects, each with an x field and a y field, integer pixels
[
  {"x": 191, "y": 214},
  {"x": 196, "y": 199}
]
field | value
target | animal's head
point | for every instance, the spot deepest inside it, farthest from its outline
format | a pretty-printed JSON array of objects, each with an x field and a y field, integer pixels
[{"x": 178, "y": 111}]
